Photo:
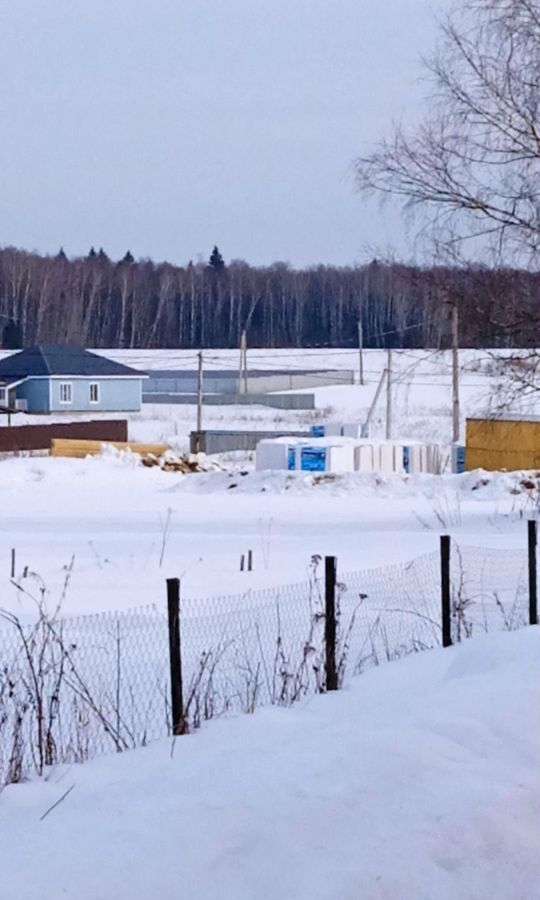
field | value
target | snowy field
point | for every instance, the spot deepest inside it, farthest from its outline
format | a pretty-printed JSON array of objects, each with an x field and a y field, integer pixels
[
  {"x": 124, "y": 528},
  {"x": 419, "y": 782},
  {"x": 416, "y": 781}
]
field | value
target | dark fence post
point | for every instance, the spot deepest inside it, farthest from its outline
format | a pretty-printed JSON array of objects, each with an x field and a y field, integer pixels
[
  {"x": 533, "y": 588},
  {"x": 179, "y": 725},
  {"x": 330, "y": 622},
  {"x": 13, "y": 562},
  {"x": 250, "y": 560},
  {"x": 445, "y": 591}
]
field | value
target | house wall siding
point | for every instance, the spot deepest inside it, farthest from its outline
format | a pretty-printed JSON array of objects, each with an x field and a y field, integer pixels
[
  {"x": 115, "y": 395},
  {"x": 36, "y": 393}
]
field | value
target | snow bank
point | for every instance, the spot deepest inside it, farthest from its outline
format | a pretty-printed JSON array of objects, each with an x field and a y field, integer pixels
[
  {"x": 420, "y": 782},
  {"x": 479, "y": 484}
]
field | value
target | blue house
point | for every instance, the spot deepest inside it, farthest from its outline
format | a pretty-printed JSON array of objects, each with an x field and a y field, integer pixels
[{"x": 46, "y": 379}]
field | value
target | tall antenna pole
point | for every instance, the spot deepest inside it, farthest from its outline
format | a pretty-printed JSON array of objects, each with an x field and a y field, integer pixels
[
  {"x": 389, "y": 380},
  {"x": 360, "y": 352},
  {"x": 455, "y": 373}
]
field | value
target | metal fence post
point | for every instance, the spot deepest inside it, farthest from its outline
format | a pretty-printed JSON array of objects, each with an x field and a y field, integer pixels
[
  {"x": 330, "y": 622},
  {"x": 179, "y": 725},
  {"x": 533, "y": 588},
  {"x": 445, "y": 591}
]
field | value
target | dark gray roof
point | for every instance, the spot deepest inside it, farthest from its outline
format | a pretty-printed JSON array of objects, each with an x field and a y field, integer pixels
[{"x": 60, "y": 359}]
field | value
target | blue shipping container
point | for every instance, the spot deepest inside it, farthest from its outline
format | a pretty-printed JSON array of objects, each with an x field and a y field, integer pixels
[{"x": 317, "y": 431}]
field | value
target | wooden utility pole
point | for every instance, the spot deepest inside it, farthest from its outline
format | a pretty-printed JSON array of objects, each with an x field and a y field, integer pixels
[
  {"x": 245, "y": 364},
  {"x": 375, "y": 400},
  {"x": 360, "y": 352},
  {"x": 455, "y": 373},
  {"x": 199, "y": 391},
  {"x": 242, "y": 375},
  {"x": 389, "y": 380}
]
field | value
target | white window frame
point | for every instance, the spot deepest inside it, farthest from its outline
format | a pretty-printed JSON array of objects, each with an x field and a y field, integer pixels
[
  {"x": 94, "y": 384},
  {"x": 3, "y": 396},
  {"x": 65, "y": 387}
]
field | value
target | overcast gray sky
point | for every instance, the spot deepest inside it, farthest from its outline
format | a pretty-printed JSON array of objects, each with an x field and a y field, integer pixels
[{"x": 165, "y": 126}]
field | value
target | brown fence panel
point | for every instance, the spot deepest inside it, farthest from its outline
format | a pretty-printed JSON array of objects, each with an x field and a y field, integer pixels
[{"x": 38, "y": 437}]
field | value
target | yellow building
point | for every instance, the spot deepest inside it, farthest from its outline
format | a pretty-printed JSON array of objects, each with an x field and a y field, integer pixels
[{"x": 509, "y": 443}]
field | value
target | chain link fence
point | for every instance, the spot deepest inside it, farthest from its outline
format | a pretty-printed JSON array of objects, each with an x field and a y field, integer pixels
[{"x": 71, "y": 689}]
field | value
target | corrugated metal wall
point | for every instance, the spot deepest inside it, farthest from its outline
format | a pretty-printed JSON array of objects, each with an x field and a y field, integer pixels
[
  {"x": 221, "y": 441},
  {"x": 38, "y": 437},
  {"x": 185, "y": 382},
  {"x": 502, "y": 444}
]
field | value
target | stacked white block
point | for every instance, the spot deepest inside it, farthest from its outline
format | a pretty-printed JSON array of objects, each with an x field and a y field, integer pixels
[
  {"x": 355, "y": 430},
  {"x": 339, "y": 429},
  {"x": 366, "y": 457},
  {"x": 348, "y": 454},
  {"x": 273, "y": 453},
  {"x": 329, "y": 429},
  {"x": 306, "y": 455},
  {"x": 438, "y": 458},
  {"x": 416, "y": 457}
]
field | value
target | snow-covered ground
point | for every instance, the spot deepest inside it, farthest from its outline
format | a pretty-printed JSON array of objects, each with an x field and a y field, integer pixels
[
  {"x": 128, "y": 527},
  {"x": 419, "y": 782}
]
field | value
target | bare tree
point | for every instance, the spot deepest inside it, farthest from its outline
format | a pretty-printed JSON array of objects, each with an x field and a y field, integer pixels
[
  {"x": 473, "y": 165},
  {"x": 96, "y": 302}
]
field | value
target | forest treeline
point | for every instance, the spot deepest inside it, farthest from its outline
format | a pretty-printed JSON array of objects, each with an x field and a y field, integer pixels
[{"x": 96, "y": 302}]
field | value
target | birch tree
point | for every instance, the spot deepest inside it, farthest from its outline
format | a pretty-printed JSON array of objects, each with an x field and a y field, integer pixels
[{"x": 472, "y": 167}]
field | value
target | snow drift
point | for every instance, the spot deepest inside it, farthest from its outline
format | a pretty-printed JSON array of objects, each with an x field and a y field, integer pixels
[{"x": 421, "y": 781}]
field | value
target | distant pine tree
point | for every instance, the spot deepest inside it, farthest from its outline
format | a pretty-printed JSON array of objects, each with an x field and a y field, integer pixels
[
  {"x": 92, "y": 254},
  {"x": 128, "y": 258},
  {"x": 61, "y": 254},
  {"x": 102, "y": 256},
  {"x": 216, "y": 261},
  {"x": 12, "y": 336}
]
